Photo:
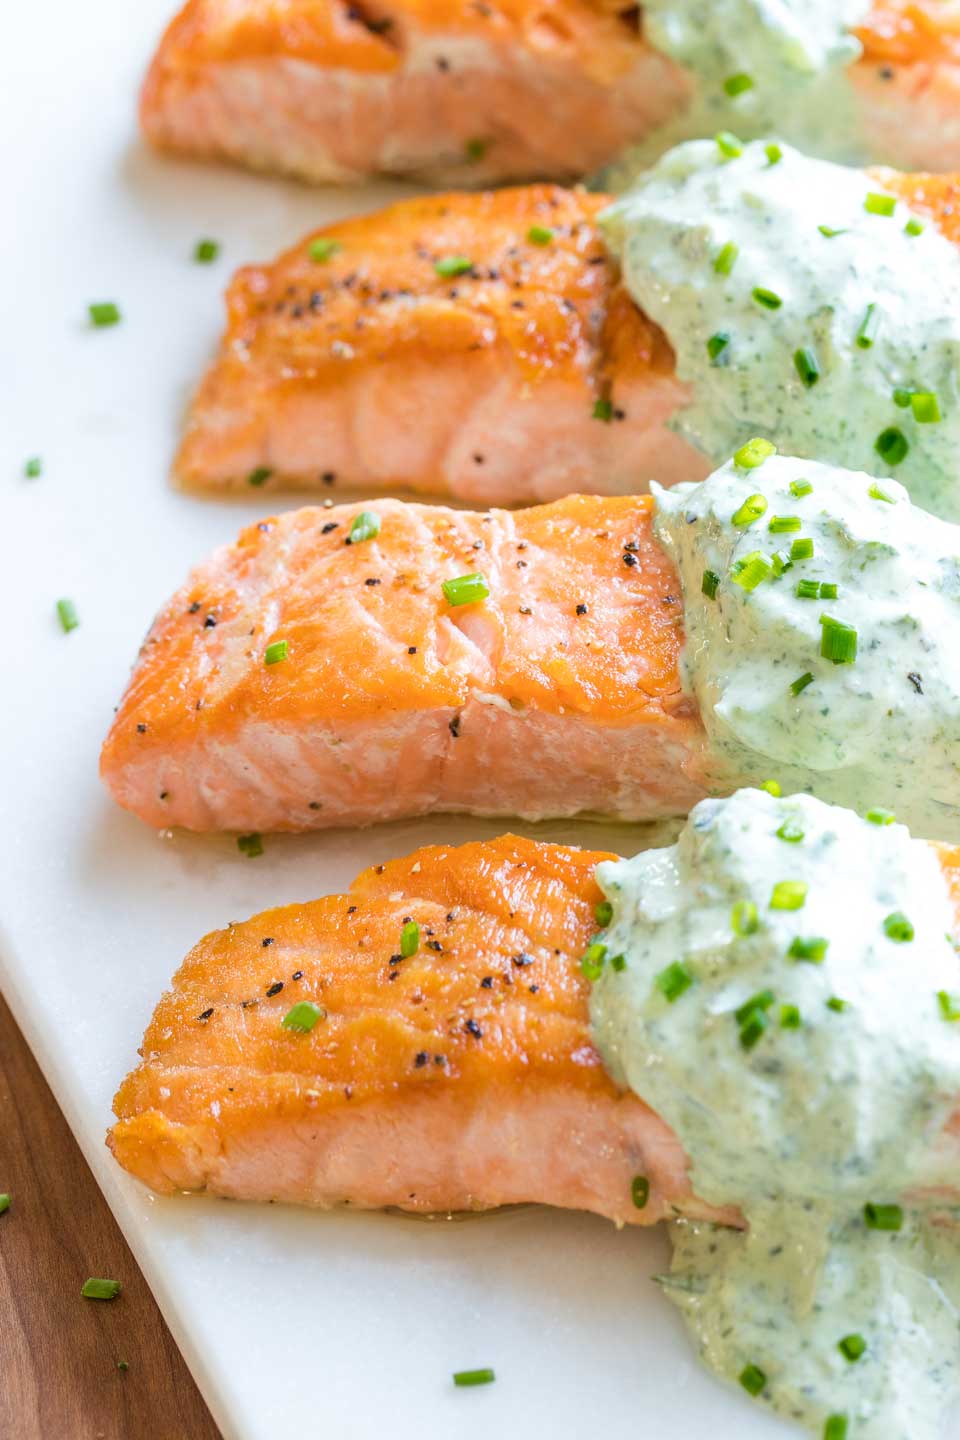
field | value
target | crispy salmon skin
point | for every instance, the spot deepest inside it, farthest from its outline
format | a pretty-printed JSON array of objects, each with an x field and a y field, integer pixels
[
  {"x": 477, "y": 345},
  {"x": 460, "y": 1078},
  {"x": 303, "y": 678}
]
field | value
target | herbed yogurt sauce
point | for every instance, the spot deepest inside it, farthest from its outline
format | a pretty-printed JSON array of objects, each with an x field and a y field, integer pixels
[
  {"x": 804, "y": 303},
  {"x": 780, "y": 988},
  {"x": 783, "y": 560}
]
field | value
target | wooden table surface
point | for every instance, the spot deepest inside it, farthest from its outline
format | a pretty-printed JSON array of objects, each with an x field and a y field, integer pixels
[{"x": 59, "y": 1354}]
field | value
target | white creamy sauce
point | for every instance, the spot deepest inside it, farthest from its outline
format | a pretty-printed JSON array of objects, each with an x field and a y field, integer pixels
[
  {"x": 842, "y": 346},
  {"x": 881, "y": 729},
  {"x": 778, "y": 1003}
]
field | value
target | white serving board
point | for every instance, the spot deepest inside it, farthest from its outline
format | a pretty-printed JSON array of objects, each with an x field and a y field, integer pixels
[{"x": 294, "y": 1323}]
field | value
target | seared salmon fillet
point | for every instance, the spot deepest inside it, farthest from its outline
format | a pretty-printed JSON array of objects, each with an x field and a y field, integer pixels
[
  {"x": 471, "y": 93},
  {"x": 460, "y": 1078},
  {"x": 301, "y": 679},
  {"x": 438, "y": 346}
]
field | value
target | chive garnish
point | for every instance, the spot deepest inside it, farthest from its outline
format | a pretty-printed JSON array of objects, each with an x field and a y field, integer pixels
[
  {"x": 949, "y": 1005},
  {"x": 769, "y": 299},
  {"x": 761, "y": 1001},
  {"x": 790, "y": 1017},
  {"x": 800, "y": 684},
  {"x": 250, "y": 845},
  {"x": 749, "y": 571},
  {"x": 726, "y": 259},
  {"x": 69, "y": 619},
  {"x": 901, "y": 398},
  {"x": 882, "y": 1217},
  {"x": 898, "y": 928},
  {"x": 773, "y": 152},
  {"x": 753, "y": 1024},
  {"x": 302, "y": 1017},
  {"x": 275, "y": 652},
  {"x": 807, "y": 366},
  {"x": 772, "y": 787},
  {"x": 851, "y": 1347},
  {"x": 799, "y": 488},
  {"x": 781, "y": 564},
  {"x": 788, "y": 895},
  {"x": 813, "y": 949},
  {"x": 33, "y": 467},
  {"x": 473, "y": 1377},
  {"x": 465, "y": 589},
  {"x": 206, "y": 251},
  {"x": 879, "y": 816},
  {"x": 828, "y": 590},
  {"x": 838, "y": 642},
  {"x": 802, "y": 549},
  {"x": 925, "y": 407},
  {"x": 877, "y": 204},
  {"x": 752, "y": 1379},
  {"x": 366, "y": 526},
  {"x": 869, "y": 326},
  {"x": 752, "y": 508},
  {"x": 618, "y": 963},
  {"x": 807, "y": 590},
  {"x": 736, "y": 84},
  {"x": 603, "y": 913},
  {"x": 783, "y": 524},
  {"x": 709, "y": 584},
  {"x": 592, "y": 960},
  {"x": 744, "y": 918},
  {"x": 835, "y": 1428},
  {"x": 603, "y": 410},
  {"x": 539, "y": 234},
  {"x": 877, "y": 493},
  {"x": 4, "y": 1203},
  {"x": 259, "y": 476},
  {"x": 791, "y": 832},
  {"x": 103, "y": 313},
  {"x": 728, "y": 144},
  {"x": 94, "y": 1289},
  {"x": 640, "y": 1191},
  {"x": 914, "y": 227},
  {"x": 751, "y": 455},
  {"x": 449, "y": 266},
  {"x": 409, "y": 939},
  {"x": 835, "y": 1003},
  {"x": 673, "y": 981},
  {"x": 716, "y": 346},
  {"x": 829, "y": 231},
  {"x": 891, "y": 444},
  {"x": 322, "y": 249}
]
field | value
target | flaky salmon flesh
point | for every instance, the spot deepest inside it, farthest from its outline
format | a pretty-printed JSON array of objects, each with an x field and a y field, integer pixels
[
  {"x": 467, "y": 92},
  {"x": 307, "y": 676},
  {"x": 440, "y": 346},
  {"x": 461, "y": 1078}
]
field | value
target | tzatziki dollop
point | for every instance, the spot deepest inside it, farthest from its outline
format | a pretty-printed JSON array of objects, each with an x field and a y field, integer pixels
[
  {"x": 822, "y": 622},
  {"x": 780, "y": 986},
  {"x": 802, "y": 302}
]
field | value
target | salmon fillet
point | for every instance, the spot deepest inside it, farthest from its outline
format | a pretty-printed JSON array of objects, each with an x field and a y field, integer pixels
[
  {"x": 461, "y": 1078},
  {"x": 529, "y": 376},
  {"x": 557, "y": 694},
  {"x": 472, "y": 93},
  {"x": 369, "y": 368}
]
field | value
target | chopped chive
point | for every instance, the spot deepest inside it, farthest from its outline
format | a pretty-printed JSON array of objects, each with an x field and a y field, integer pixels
[
  {"x": 717, "y": 345},
  {"x": 744, "y": 918},
  {"x": 709, "y": 584},
  {"x": 799, "y": 488},
  {"x": 829, "y": 590},
  {"x": 761, "y": 1001},
  {"x": 752, "y": 508},
  {"x": 603, "y": 913},
  {"x": 751, "y": 570},
  {"x": 640, "y": 1191},
  {"x": 802, "y": 549},
  {"x": 365, "y": 526},
  {"x": 807, "y": 590},
  {"x": 409, "y": 939},
  {"x": 901, "y": 398},
  {"x": 781, "y": 564},
  {"x": 275, "y": 652},
  {"x": 769, "y": 299},
  {"x": 728, "y": 144},
  {"x": 835, "y": 1428},
  {"x": 250, "y": 845},
  {"x": 206, "y": 251},
  {"x": 925, "y": 407},
  {"x": 898, "y": 928},
  {"x": 852, "y": 1347},
  {"x": 4, "y": 1203},
  {"x": 949, "y": 1005},
  {"x": 835, "y": 1003},
  {"x": 813, "y": 949},
  {"x": 323, "y": 249},
  {"x": 838, "y": 642},
  {"x": 882, "y": 1217},
  {"x": 790, "y": 1017},
  {"x": 829, "y": 231},
  {"x": 772, "y": 787},
  {"x": 877, "y": 204},
  {"x": 102, "y": 313},
  {"x": 879, "y": 816},
  {"x": 94, "y": 1289},
  {"x": 473, "y": 1377},
  {"x": 783, "y": 524},
  {"x": 618, "y": 963},
  {"x": 33, "y": 467},
  {"x": 791, "y": 832},
  {"x": 302, "y": 1017},
  {"x": 726, "y": 259},
  {"x": 465, "y": 589},
  {"x": 69, "y": 619},
  {"x": 752, "y": 455},
  {"x": 449, "y": 266},
  {"x": 603, "y": 410},
  {"x": 592, "y": 960},
  {"x": 753, "y": 1027},
  {"x": 800, "y": 684},
  {"x": 122, "y": 1365},
  {"x": 736, "y": 84},
  {"x": 539, "y": 234},
  {"x": 869, "y": 326},
  {"x": 891, "y": 445},
  {"x": 788, "y": 895},
  {"x": 260, "y": 476},
  {"x": 807, "y": 366},
  {"x": 914, "y": 227},
  {"x": 673, "y": 981},
  {"x": 773, "y": 152},
  {"x": 752, "y": 1379},
  {"x": 877, "y": 493},
  {"x": 475, "y": 149}
]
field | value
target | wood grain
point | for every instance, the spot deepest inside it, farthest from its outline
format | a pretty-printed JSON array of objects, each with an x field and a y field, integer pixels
[{"x": 59, "y": 1376}]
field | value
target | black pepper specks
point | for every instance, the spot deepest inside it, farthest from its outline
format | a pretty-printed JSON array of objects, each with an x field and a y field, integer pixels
[
  {"x": 209, "y": 622},
  {"x": 275, "y": 988},
  {"x": 581, "y": 609},
  {"x": 455, "y": 727},
  {"x": 267, "y": 940},
  {"x": 205, "y": 1014},
  {"x": 916, "y": 681},
  {"x": 330, "y": 525},
  {"x": 420, "y": 1059},
  {"x": 629, "y": 559},
  {"x": 522, "y": 959},
  {"x": 472, "y": 1028},
  {"x": 141, "y": 729},
  {"x": 297, "y": 975},
  {"x": 486, "y": 983}
]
